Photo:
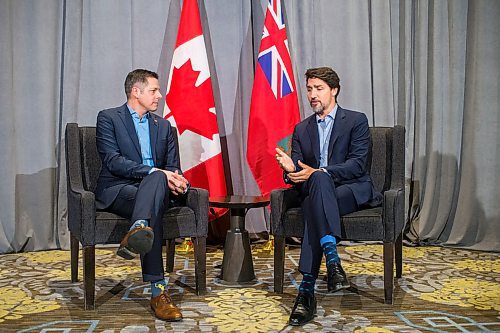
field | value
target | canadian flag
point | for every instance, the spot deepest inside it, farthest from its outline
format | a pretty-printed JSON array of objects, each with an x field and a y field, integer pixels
[{"x": 189, "y": 106}]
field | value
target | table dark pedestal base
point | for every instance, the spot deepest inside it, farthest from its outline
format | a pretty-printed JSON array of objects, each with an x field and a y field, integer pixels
[{"x": 237, "y": 264}]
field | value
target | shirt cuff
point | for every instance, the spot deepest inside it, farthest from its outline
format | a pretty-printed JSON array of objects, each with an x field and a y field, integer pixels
[{"x": 324, "y": 170}]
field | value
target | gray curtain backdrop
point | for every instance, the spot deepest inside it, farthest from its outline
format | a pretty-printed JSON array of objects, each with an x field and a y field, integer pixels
[
  {"x": 432, "y": 66},
  {"x": 452, "y": 123}
]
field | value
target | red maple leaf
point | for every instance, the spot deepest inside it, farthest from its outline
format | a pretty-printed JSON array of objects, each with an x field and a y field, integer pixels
[{"x": 189, "y": 105}]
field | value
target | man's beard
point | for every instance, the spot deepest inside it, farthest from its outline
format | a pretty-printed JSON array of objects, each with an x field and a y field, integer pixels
[{"x": 318, "y": 109}]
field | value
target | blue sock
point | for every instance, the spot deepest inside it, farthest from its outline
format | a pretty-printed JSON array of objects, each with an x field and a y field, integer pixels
[
  {"x": 307, "y": 284},
  {"x": 329, "y": 245},
  {"x": 138, "y": 223},
  {"x": 157, "y": 287}
]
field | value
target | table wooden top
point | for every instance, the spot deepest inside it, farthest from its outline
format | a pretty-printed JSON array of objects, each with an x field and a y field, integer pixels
[{"x": 239, "y": 201}]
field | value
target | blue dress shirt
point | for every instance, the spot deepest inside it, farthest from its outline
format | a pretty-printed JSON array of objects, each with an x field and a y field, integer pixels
[
  {"x": 325, "y": 127},
  {"x": 142, "y": 130}
]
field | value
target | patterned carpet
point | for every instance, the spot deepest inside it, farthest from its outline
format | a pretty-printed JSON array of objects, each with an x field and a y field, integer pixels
[{"x": 442, "y": 290}]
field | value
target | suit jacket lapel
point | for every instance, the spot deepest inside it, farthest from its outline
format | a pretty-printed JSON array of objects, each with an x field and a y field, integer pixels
[
  {"x": 153, "y": 137},
  {"x": 129, "y": 125},
  {"x": 338, "y": 128},
  {"x": 312, "y": 130}
]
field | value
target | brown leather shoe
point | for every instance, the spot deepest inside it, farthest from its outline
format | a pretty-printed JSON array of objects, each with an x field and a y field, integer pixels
[
  {"x": 137, "y": 241},
  {"x": 164, "y": 308}
]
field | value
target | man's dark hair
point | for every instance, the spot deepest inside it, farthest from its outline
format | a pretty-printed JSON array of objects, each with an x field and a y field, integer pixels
[
  {"x": 137, "y": 76},
  {"x": 326, "y": 74}
]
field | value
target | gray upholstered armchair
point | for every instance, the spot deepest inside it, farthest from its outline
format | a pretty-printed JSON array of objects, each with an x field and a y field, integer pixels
[
  {"x": 90, "y": 227},
  {"x": 386, "y": 164}
]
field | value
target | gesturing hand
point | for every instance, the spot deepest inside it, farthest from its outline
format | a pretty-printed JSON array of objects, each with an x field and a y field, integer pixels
[
  {"x": 302, "y": 175},
  {"x": 284, "y": 161}
]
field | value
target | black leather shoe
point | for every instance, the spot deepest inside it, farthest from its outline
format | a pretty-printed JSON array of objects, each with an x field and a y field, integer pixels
[
  {"x": 303, "y": 310},
  {"x": 336, "y": 280}
]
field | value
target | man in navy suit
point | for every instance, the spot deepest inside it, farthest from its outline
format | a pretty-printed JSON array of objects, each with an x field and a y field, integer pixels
[
  {"x": 328, "y": 165},
  {"x": 140, "y": 174}
]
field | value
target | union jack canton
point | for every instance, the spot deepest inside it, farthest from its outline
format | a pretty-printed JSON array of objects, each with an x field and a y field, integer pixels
[{"x": 274, "y": 55}]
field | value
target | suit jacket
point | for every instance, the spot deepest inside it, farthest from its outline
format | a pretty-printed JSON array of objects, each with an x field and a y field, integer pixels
[
  {"x": 120, "y": 151},
  {"x": 347, "y": 152}
]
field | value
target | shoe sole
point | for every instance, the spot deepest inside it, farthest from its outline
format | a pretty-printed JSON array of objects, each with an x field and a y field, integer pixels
[
  {"x": 125, "y": 253},
  {"x": 339, "y": 287},
  {"x": 140, "y": 242},
  {"x": 170, "y": 320},
  {"x": 302, "y": 324}
]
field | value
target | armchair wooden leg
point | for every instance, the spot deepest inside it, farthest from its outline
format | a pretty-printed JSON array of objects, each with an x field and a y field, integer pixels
[
  {"x": 200, "y": 264},
  {"x": 169, "y": 261},
  {"x": 279, "y": 263},
  {"x": 74, "y": 247},
  {"x": 388, "y": 272},
  {"x": 399, "y": 255},
  {"x": 89, "y": 277}
]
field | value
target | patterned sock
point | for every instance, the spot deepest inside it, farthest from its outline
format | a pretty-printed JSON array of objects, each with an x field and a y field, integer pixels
[
  {"x": 329, "y": 245},
  {"x": 307, "y": 284},
  {"x": 157, "y": 287},
  {"x": 139, "y": 223}
]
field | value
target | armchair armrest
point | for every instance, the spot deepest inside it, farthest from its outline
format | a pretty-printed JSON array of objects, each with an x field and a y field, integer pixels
[
  {"x": 81, "y": 203},
  {"x": 394, "y": 197},
  {"x": 81, "y": 214},
  {"x": 197, "y": 200},
  {"x": 282, "y": 200},
  {"x": 393, "y": 213}
]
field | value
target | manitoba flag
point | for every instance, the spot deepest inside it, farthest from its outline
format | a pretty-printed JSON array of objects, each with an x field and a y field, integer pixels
[
  {"x": 189, "y": 106},
  {"x": 274, "y": 109}
]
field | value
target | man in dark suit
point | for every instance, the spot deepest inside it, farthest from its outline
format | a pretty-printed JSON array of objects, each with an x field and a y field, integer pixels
[
  {"x": 328, "y": 166},
  {"x": 140, "y": 174}
]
